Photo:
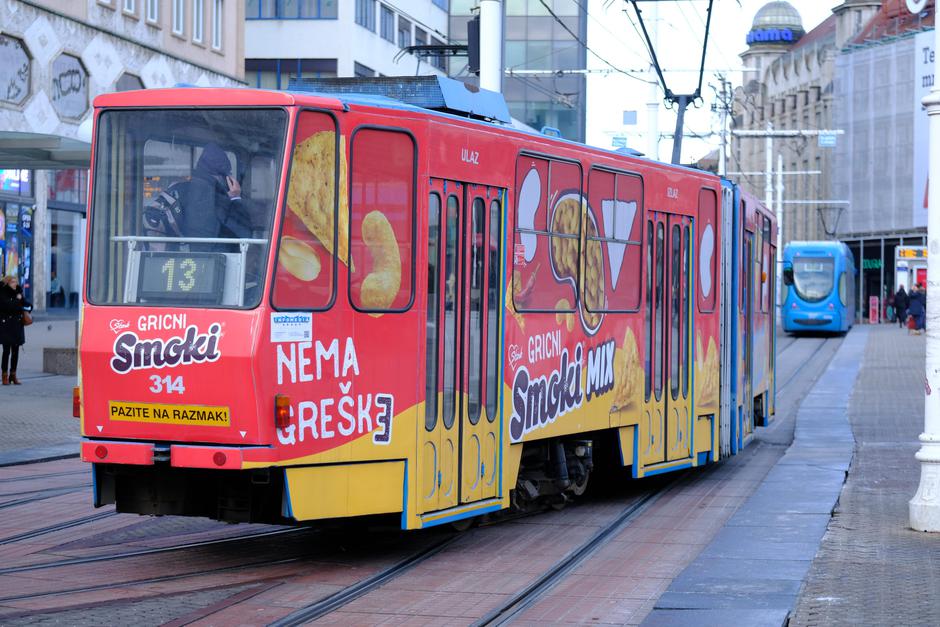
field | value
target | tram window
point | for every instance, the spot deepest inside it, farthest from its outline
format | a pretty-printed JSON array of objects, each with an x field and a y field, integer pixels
[
  {"x": 477, "y": 315},
  {"x": 433, "y": 317},
  {"x": 707, "y": 249},
  {"x": 649, "y": 309},
  {"x": 767, "y": 269},
  {"x": 659, "y": 311},
  {"x": 450, "y": 339},
  {"x": 686, "y": 309},
  {"x": 492, "y": 313},
  {"x": 304, "y": 277},
  {"x": 381, "y": 220},
  {"x": 612, "y": 274},
  {"x": 141, "y": 153},
  {"x": 547, "y": 238},
  {"x": 676, "y": 313}
]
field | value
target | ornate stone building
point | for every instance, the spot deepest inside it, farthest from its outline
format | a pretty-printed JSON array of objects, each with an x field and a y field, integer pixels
[{"x": 789, "y": 83}]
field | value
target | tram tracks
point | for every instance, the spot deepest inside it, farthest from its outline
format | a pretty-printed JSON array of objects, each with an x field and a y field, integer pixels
[
  {"x": 69, "y": 524},
  {"x": 798, "y": 370},
  {"x": 41, "y": 495}
]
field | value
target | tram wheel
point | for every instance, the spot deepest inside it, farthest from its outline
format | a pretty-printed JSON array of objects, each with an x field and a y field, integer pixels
[
  {"x": 580, "y": 488},
  {"x": 463, "y": 524}
]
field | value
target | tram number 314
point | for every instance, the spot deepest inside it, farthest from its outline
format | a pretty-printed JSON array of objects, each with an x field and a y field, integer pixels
[{"x": 168, "y": 384}]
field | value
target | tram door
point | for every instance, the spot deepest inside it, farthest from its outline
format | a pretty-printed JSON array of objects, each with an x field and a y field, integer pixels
[
  {"x": 668, "y": 412},
  {"x": 747, "y": 310},
  {"x": 460, "y": 440}
]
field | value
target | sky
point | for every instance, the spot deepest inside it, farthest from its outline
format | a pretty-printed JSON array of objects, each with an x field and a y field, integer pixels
[{"x": 618, "y": 43}]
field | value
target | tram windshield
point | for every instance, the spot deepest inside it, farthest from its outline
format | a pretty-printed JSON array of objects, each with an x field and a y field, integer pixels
[
  {"x": 183, "y": 206},
  {"x": 813, "y": 277}
]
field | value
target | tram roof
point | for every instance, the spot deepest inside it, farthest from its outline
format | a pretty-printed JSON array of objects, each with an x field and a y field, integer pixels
[{"x": 248, "y": 97}]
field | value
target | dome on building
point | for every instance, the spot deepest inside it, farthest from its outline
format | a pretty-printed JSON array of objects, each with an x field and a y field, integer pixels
[{"x": 778, "y": 15}]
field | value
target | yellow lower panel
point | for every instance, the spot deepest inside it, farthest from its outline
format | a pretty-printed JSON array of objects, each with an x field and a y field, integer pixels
[{"x": 346, "y": 490}]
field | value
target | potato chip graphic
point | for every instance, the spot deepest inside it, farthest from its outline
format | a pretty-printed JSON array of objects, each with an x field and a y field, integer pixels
[
  {"x": 311, "y": 188},
  {"x": 628, "y": 375},
  {"x": 706, "y": 373}
]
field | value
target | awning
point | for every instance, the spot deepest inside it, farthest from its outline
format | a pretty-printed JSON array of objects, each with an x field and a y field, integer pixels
[{"x": 37, "y": 151}]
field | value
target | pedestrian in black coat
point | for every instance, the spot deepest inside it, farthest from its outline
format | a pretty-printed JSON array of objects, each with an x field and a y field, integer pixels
[
  {"x": 901, "y": 303},
  {"x": 12, "y": 333}
]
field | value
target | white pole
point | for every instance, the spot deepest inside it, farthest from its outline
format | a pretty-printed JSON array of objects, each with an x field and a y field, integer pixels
[
  {"x": 491, "y": 45},
  {"x": 779, "y": 268},
  {"x": 925, "y": 506},
  {"x": 722, "y": 162},
  {"x": 769, "y": 169},
  {"x": 652, "y": 105}
]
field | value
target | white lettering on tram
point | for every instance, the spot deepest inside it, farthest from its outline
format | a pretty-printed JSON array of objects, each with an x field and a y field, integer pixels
[
  {"x": 544, "y": 346},
  {"x": 355, "y": 415},
  {"x": 296, "y": 360},
  {"x": 164, "y": 322}
]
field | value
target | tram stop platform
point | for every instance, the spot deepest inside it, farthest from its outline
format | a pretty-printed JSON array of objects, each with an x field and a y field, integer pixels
[{"x": 825, "y": 538}]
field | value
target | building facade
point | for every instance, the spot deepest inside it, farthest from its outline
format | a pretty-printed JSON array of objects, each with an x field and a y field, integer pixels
[
  {"x": 55, "y": 57},
  {"x": 881, "y": 76},
  {"x": 789, "y": 87},
  {"x": 287, "y": 39},
  {"x": 541, "y": 48}
]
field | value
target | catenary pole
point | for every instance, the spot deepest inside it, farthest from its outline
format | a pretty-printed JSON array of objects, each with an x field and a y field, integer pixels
[
  {"x": 925, "y": 506},
  {"x": 491, "y": 45}
]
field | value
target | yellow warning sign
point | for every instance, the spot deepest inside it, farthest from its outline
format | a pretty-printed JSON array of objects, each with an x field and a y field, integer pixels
[{"x": 169, "y": 414}]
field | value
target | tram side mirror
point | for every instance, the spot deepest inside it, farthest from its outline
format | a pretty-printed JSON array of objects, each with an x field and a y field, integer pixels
[{"x": 788, "y": 276}]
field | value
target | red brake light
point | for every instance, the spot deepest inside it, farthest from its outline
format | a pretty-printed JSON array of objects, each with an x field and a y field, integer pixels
[
  {"x": 76, "y": 402},
  {"x": 281, "y": 411},
  {"x": 101, "y": 451},
  {"x": 219, "y": 459}
]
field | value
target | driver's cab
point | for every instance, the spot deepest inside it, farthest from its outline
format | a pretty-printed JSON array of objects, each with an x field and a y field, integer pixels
[{"x": 141, "y": 153}]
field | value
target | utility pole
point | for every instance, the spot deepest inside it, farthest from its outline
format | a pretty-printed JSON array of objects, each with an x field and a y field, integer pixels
[
  {"x": 924, "y": 508},
  {"x": 652, "y": 105},
  {"x": 724, "y": 105},
  {"x": 491, "y": 45}
]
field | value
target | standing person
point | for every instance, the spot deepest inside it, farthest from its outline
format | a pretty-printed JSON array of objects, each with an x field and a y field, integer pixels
[
  {"x": 12, "y": 334},
  {"x": 917, "y": 308},
  {"x": 213, "y": 207},
  {"x": 901, "y": 303}
]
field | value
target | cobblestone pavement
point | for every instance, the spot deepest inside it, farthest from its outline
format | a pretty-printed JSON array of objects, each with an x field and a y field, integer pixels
[
  {"x": 871, "y": 568},
  {"x": 36, "y": 417}
]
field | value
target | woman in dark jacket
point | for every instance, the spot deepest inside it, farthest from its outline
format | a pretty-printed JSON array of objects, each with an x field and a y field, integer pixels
[
  {"x": 900, "y": 306},
  {"x": 12, "y": 335}
]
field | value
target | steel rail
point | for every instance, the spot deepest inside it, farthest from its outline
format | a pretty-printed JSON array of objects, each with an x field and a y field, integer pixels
[
  {"x": 335, "y": 601},
  {"x": 28, "y": 535},
  {"x": 537, "y": 589}
]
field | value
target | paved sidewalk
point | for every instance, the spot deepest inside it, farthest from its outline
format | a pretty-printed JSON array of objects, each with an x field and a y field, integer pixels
[
  {"x": 806, "y": 549},
  {"x": 36, "y": 417}
]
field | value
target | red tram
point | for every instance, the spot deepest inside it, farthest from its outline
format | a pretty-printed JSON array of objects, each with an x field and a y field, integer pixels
[{"x": 424, "y": 314}]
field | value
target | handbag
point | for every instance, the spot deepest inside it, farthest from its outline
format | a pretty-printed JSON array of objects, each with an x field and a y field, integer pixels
[
  {"x": 27, "y": 319},
  {"x": 911, "y": 323}
]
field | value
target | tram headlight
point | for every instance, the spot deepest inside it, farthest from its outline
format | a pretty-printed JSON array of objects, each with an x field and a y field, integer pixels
[{"x": 281, "y": 411}]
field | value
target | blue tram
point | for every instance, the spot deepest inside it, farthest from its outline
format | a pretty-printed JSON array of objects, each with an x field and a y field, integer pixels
[{"x": 819, "y": 287}]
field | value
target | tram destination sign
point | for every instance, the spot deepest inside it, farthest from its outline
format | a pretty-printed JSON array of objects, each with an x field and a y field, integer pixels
[{"x": 182, "y": 277}]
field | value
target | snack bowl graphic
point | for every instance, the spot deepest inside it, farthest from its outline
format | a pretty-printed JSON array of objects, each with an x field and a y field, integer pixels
[{"x": 566, "y": 261}]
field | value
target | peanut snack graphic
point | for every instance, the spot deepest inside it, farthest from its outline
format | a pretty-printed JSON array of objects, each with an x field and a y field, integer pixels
[
  {"x": 299, "y": 259},
  {"x": 310, "y": 191},
  {"x": 380, "y": 286},
  {"x": 706, "y": 373},
  {"x": 628, "y": 374}
]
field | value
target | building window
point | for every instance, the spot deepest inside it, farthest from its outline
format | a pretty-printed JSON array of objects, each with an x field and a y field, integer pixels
[
  {"x": 290, "y": 9},
  {"x": 14, "y": 70},
  {"x": 199, "y": 14},
  {"x": 441, "y": 4},
  {"x": 130, "y": 6},
  {"x": 388, "y": 24},
  {"x": 438, "y": 60},
  {"x": 421, "y": 37},
  {"x": 153, "y": 10},
  {"x": 404, "y": 32},
  {"x": 217, "y": 13},
  {"x": 69, "y": 87},
  {"x": 179, "y": 16},
  {"x": 365, "y": 14},
  {"x": 277, "y": 73},
  {"x": 128, "y": 82},
  {"x": 361, "y": 70}
]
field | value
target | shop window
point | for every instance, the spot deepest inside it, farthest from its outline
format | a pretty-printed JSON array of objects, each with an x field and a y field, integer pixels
[
  {"x": 304, "y": 277},
  {"x": 613, "y": 256},
  {"x": 69, "y": 87},
  {"x": 548, "y": 231},
  {"x": 14, "y": 70},
  {"x": 68, "y": 187},
  {"x": 707, "y": 249},
  {"x": 381, "y": 221}
]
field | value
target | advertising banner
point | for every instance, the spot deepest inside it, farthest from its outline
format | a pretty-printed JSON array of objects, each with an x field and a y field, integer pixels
[{"x": 923, "y": 83}]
